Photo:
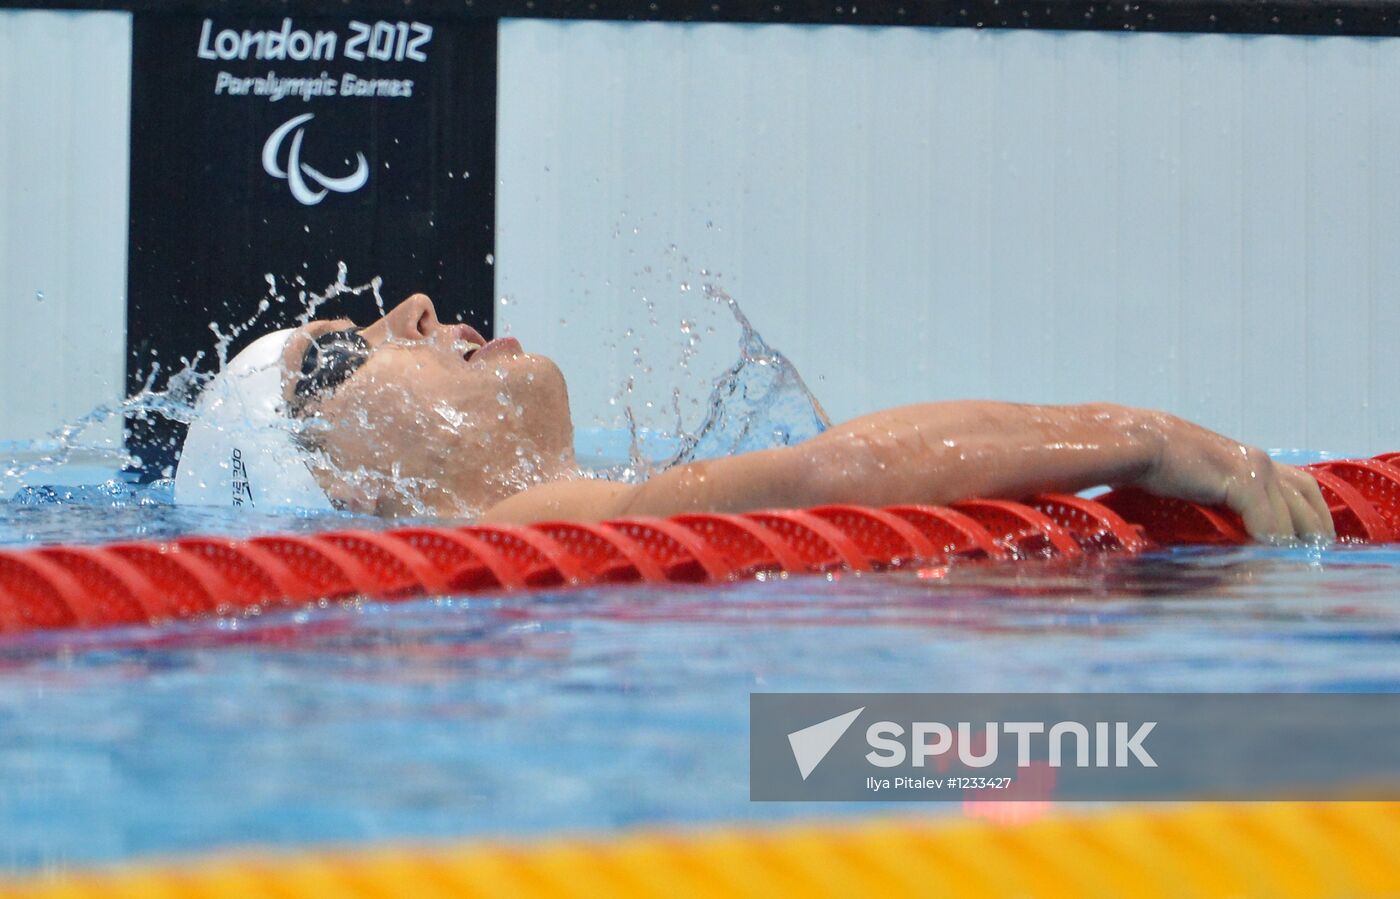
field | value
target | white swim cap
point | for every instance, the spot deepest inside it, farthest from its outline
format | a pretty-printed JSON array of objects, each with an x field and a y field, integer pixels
[{"x": 240, "y": 450}]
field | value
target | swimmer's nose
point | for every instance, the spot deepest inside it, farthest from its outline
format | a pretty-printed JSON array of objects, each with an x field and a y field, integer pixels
[{"x": 413, "y": 319}]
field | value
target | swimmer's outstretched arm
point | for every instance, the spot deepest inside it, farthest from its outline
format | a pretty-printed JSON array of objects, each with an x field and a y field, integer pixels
[{"x": 942, "y": 452}]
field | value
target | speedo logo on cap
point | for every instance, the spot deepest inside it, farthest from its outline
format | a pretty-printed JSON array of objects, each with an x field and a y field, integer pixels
[{"x": 242, "y": 488}]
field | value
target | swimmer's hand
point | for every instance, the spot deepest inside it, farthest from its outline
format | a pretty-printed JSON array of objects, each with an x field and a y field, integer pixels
[{"x": 1276, "y": 501}]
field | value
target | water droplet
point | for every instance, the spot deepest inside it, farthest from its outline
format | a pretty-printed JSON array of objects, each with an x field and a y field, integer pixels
[
  {"x": 38, "y": 296},
  {"x": 490, "y": 258}
]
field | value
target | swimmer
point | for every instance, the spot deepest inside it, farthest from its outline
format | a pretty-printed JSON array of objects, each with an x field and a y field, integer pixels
[{"x": 411, "y": 416}]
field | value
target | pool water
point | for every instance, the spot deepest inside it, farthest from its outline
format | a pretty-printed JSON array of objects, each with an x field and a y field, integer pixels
[{"x": 604, "y": 709}]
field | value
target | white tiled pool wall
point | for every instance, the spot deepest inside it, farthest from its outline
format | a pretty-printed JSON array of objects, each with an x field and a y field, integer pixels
[
  {"x": 64, "y": 136},
  {"x": 1204, "y": 223}
]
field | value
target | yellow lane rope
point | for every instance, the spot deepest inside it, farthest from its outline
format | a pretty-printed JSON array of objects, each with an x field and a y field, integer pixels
[{"x": 1292, "y": 849}]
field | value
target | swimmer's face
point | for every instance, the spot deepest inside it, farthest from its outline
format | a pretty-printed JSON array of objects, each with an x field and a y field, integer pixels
[{"x": 420, "y": 417}]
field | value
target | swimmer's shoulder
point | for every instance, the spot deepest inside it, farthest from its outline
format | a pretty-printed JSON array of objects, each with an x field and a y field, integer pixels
[{"x": 574, "y": 499}]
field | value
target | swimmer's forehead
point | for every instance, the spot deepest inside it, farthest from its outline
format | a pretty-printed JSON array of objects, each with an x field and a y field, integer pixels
[{"x": 297, "y": 346}]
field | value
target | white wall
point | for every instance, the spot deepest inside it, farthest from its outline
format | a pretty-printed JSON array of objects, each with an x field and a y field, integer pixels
[
  {"x": 64, "y": 102},
  {"x": 1207, "y": 224}
]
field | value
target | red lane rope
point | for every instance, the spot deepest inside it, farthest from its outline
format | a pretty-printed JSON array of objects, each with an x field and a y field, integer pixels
[
  {"x": 1026, "y": 531},
  {"x": 1095, "y": 526},
  {"x": 1174, "y": 521},
  {"x": 1355, "y": 518},
  {"x": 1378, "y": 482},
  {"x": 59, "y": 587},
  {"x": 747, "y": 548}
]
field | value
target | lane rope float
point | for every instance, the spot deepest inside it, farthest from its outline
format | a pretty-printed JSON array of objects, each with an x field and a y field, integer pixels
[{"x": 132, "y": 582}]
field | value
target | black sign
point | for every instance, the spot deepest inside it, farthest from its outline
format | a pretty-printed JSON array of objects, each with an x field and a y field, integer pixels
[{"x": 266, "y": 152}]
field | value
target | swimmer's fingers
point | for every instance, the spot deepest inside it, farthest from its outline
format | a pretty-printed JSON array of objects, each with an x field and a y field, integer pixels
[
  {"x": 1283, "y": 514},
  {"x": 1306, "y": 524},
  {"x": 1281, "y": 507},
  {"x": 1311, "y": 518},
  {"x": 1251, "y": 499}
]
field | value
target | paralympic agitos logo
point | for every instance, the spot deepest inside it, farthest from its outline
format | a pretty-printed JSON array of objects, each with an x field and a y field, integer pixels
[{"x": 301, "y": 176}]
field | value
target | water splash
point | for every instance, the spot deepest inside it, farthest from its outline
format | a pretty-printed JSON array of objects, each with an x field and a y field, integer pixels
[
  {"x": 65, "y": 444},
  {"x": 759, "y": 402},
  {"x": 70, "y": 444},
  {"x": 311, "y": 302}
]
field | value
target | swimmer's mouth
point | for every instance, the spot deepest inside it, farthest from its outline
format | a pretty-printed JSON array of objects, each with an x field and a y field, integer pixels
[
  {"x": 467, "y": 341},
  {"x": 470, "y": 349}
]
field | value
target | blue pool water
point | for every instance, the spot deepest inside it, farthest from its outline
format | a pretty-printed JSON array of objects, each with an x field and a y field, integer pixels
[
  {"x": 605, "y": 709},
  {"x": 589, "y": 709}
]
